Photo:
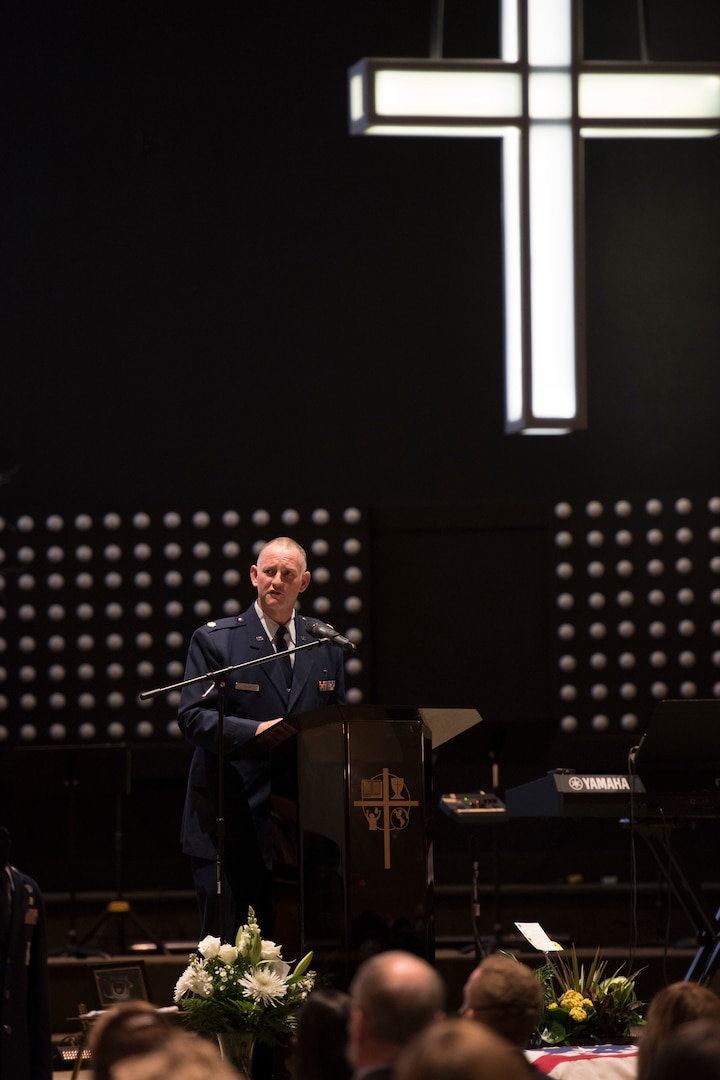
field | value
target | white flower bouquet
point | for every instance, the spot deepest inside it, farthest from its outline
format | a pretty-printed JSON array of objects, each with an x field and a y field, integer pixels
[{"x": 245, "y": 987}]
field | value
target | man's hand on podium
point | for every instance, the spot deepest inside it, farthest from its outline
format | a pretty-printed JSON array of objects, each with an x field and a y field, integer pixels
[{"x": 265, "y": 724}]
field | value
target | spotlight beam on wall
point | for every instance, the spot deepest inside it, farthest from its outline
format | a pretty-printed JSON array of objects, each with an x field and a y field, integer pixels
[{"x": 541, "y": 99}]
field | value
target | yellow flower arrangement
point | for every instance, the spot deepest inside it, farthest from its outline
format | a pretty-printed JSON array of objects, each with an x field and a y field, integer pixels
[{"x": 586, "y": 1007}]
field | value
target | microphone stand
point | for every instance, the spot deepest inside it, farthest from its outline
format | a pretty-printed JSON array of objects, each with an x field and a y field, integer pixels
[{"x": 218, "y": 681}]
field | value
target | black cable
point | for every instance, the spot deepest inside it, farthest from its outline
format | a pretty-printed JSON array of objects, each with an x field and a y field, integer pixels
[
  {"x": 437, "y": 27},
  {"x": 632, "y": 756},
  {"x": 642, "y": 30},
  {"x": 669, "y": 894}
]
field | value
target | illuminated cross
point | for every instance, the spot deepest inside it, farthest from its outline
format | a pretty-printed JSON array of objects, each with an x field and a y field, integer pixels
[{"x": 541, "y": 98}]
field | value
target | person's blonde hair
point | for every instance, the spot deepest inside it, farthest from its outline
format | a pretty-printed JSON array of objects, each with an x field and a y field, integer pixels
[
  {"x": 183, "y": 1056},
  {"x": 125, "y": 1029}
]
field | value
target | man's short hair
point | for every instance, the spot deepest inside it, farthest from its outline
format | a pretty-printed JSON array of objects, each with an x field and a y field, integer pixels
[
  {"x": 399, "y": 994},
  {"x": 287, "y": 544},
  {"x": 506, "y": 995}
]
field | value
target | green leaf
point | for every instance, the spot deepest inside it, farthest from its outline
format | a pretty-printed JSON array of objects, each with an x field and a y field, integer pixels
[
  {"x": 553, "y": 1034},
  {"x": 301, "y": 968}
]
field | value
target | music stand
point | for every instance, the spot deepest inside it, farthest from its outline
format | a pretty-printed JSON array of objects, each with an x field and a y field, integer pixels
[
  {"x": 119, "y": 911},
  {"x": 69, "y": 773}
]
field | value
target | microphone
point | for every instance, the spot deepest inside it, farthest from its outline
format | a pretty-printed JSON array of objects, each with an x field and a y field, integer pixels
[{"x": 327, "y": 633}]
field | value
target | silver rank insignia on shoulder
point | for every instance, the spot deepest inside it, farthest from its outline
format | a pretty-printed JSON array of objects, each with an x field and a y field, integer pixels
[{"x": 211, "y": 624}]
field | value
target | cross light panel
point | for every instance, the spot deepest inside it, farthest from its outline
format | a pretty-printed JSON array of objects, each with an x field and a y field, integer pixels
[{"x": 541, "y": 99}]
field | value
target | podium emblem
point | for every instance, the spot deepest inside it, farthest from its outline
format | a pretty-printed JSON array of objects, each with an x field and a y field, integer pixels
[{"x": 385, "y": 802}]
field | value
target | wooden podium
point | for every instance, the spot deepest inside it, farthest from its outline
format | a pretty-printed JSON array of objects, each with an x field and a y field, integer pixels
[{"x": 352, "y": 843}]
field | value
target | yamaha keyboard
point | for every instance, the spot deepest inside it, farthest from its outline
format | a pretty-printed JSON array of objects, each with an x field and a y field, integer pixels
[{"x": 564, "y": 793}]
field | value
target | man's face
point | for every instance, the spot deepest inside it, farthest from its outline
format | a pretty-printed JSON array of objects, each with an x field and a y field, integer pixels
[{"x": 279, "y": 578}]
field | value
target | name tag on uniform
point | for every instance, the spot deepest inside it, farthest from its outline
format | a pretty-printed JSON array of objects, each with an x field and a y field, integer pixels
[
  {"x": 247, "y": 686},
  {"x": 326, "y": 684}
]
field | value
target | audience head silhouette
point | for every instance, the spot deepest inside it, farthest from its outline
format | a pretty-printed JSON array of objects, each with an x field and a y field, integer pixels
[
  {"x": 505, "y": 995},
  {"x": 693, "y": 1049},
  {"x": 395, "y": 995},
  {"x": 182, "y": 1056},
  {"x": 676, "y": 1004},
  {"x": 125, "y": 1030},
  {"x": 456, "y": 1050},
  {"x": 320, "y": 1049}
]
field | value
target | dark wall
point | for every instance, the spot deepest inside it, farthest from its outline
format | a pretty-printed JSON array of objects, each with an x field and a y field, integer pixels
[
  {"x": 197, "y": 257},
  {"x": 443, "y": 635}
]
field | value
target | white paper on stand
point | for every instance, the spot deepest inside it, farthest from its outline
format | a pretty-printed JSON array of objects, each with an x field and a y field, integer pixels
[{"x": 534, "y": 933}]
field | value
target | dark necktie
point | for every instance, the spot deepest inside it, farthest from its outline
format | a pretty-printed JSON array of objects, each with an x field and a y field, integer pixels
[{"x": 285, "y": 662}]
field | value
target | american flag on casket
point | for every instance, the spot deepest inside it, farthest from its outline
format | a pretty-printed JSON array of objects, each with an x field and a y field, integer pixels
[{"x": 603, "y": 1062}]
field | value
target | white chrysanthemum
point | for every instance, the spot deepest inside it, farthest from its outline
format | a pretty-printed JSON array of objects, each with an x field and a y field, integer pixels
[
  {"x": 209, "y": 947},
  {"x": 195, "y": 980},
  {"x": 228, "y": 954},
  {"x": 264, "y": 985},
  {"x": 280, "y": 968},
  {"x": 270, "y": 951}
]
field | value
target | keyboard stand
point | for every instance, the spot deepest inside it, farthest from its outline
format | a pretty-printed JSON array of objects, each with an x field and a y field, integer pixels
[
  {"x": 705, "y": 962},
  {"x": 478, "y": 809}
]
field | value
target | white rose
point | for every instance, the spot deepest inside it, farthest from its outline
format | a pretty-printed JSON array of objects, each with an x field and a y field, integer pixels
[
  {"x": 228, "y": 954},
  {"x": 209, "y": 947},
  {"x": 270, "y": 951}
]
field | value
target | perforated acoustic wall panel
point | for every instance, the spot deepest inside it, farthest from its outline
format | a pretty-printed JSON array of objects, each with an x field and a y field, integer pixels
[
  {"x": 637, "y": 607},
  {"x": 96, "y": 608}
]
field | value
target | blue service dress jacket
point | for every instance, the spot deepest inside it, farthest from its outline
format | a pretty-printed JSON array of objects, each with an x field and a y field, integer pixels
[
  {"x": 25, "y": 1037},
  {"x": 251, "y": 695}
]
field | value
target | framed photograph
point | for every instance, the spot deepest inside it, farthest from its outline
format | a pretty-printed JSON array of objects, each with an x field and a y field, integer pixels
[{"x": 120, "y": 982}]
